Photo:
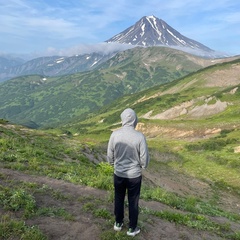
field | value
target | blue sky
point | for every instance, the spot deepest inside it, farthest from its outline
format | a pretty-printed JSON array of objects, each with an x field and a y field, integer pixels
[{"x": 46, "y": 27}]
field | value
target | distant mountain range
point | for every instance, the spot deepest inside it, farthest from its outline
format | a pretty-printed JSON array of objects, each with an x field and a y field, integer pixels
[
  {"x": 54, "y": 65},
  {"x": 37, "y": 101},
  {"x": 7, "y": 62},
  {"x": 148, "y": 31}
]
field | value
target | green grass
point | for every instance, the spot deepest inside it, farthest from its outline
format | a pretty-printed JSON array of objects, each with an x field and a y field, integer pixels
[
  {"x": 190, "y": 204},
  {"x": 63, "y": 157},
  {"x": 16, "y": 199},
  {"x": 214, "y": 159},
  {"x": 197, "y": 221},
  {"x": 15, "y": 229}
]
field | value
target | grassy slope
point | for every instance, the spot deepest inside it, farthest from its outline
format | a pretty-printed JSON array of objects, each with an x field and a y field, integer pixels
[
  {"x": 58, "y": 99},
  {"x": 163, "y": 97},
  {"x": 67, "y": 158},
  {"x": 205, "y": 160},
  {"x": 206, "y": 144}
]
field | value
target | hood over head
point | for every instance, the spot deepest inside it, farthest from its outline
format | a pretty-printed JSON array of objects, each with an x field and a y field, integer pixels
[{"x": 129, "y": 118}]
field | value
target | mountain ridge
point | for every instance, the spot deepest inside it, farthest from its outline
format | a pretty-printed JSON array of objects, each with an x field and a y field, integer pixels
[
  {"x": 46, "y": 100},
  {"x": 148, "y": 31},
  {"x": 196, "y": 99},
  {"x": 56, "y": 65}
]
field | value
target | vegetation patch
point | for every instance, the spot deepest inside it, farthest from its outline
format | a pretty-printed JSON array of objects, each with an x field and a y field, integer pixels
[{"x": 15, "y": 229}]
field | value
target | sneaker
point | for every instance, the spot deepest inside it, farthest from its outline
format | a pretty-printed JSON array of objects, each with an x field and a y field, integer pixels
[
  {"x": 118, "y": 226},
  {"x": 133, "y": 232}
]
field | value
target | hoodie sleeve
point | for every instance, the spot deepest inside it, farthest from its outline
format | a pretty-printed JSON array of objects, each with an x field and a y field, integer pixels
[
  {"x": 110, "y": 151},
  {"x": 144, "y": 155}
]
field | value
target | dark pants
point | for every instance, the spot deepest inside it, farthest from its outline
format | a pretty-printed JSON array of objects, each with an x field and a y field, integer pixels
[{"x": 132, "y": 186}]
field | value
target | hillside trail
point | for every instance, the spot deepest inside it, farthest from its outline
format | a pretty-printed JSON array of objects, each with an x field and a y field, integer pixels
[{"x": 87, "y": 226}]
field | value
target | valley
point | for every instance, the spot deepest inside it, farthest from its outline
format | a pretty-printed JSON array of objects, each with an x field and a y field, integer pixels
[
  {"x": 36, "y": 101},
  {"x": 56, "y": 117},
  {"x": 56, "y": 184}
]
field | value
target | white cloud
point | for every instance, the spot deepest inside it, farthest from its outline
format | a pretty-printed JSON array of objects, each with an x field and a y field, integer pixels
[
  {"x": 105, "y": 48},
  {"x": 40, "y": 24}
]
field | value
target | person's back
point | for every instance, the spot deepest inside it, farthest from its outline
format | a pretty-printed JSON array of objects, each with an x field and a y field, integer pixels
[
  {"x": 128, "y": 144},
  {"x": 128, "y": 152}
]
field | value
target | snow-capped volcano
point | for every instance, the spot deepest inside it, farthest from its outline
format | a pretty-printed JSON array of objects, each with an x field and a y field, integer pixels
[{"x": 151, "y": 31}]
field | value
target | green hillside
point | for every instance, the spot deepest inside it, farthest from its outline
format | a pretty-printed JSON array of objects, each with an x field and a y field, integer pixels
[
  {"x": 36, "y": 101},
  {"x": 56, "y": 183},
  {"x": 208, "y": 96},
  {"x": 190, "y": 190},
  {"x": 194, "y": 120}
]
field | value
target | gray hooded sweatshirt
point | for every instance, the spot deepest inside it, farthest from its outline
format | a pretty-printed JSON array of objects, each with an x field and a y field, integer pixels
[{"x": 127, "y": 148}]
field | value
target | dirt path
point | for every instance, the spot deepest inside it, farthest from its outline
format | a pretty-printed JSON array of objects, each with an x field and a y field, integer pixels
[{"x": 85, "y": 225}]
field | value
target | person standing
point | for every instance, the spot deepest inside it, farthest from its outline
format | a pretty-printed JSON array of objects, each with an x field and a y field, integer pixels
[{"x": 128, "y": 153}]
